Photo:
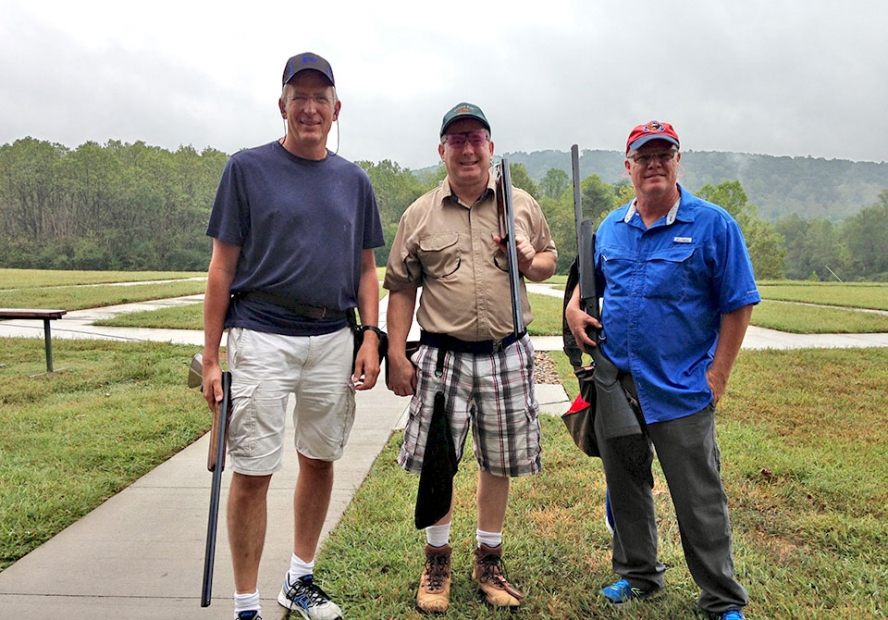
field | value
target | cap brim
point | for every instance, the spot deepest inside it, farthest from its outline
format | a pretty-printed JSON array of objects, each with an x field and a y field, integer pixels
[
  {"x": 463, "y": 117},
  {"x": 318, "y": 71},
  {"x": 657, "y": 136}
]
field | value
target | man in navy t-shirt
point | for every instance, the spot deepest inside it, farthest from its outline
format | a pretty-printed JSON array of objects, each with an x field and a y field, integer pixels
[{"x": 293, "y": 228}]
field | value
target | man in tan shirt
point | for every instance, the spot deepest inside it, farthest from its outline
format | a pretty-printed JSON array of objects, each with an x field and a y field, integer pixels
[{"x": 448, "y": 243}]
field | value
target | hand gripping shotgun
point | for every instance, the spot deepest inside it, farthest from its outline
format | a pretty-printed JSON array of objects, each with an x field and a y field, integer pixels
[
  {"x": 507, "y": 234},
  {"x": 215, "y": 463},
  {"x": 612, "y": 402}
]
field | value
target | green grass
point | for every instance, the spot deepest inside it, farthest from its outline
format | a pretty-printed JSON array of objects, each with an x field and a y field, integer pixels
[
  {"x": 74, "y": 438},
  {"x": 804, "y": 473},
  {"x": 783, "y": 316},
  {"x": 872, "y": 295},
  {"x": 546, "y": 323},
  {"x": 804, "y": 456},
  {"x": 35, "y": 278},
  {"x": 799, "y": 318},
  {"x": 188, "y": 316},
  {"x": 80, "y": 297},
  {"x": 547, "y": 315}
]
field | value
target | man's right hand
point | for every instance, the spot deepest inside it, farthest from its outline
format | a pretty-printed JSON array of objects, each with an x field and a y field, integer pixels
[
  {"x": 580, "y": 323},
  {"x": 212, "y": 383},
  {"x": 402, "y": 375}
]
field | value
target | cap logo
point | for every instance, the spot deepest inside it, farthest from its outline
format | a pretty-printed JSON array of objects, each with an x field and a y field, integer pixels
[
  {"x": 463, "y": 110},
  {"x": 654, "y": 126}
]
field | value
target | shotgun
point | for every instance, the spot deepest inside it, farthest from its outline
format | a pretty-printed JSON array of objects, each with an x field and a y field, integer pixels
[
  {"x": 612, "y": 403},
  {"x": 215, "y": 464},
  {"x": 507, "y": 233}
]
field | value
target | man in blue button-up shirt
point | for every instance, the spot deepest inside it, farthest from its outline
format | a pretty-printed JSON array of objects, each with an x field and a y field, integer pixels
[{"x": 678, "y": 290}]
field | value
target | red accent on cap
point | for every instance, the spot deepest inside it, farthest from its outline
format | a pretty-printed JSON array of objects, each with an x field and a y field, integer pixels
[{"x": 653, "y": 130}]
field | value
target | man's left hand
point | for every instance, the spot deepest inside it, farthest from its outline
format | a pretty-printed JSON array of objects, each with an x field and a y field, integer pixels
[
  {"x": 524, "y": 250},
  {"x": 717, "y": 383}
]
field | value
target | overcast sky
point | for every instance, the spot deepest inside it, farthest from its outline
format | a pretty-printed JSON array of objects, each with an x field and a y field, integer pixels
[{"x": 779, "y": 77}]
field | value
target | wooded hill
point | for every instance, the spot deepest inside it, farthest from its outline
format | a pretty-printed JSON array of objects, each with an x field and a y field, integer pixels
[
  {"x": 778, "y": 186},
  {"x": 124, "y": 206}
]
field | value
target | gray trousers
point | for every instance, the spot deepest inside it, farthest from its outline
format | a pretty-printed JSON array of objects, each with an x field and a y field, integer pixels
[{"x": 690, "y": 459}]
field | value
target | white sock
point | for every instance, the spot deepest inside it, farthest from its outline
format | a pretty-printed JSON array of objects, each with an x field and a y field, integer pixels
[
  {"x": 299, "y": 568},
  {"x": 246, "y": 602},
  {"x": 491, "y": 539},
  {"x": 438, "y": 535}
]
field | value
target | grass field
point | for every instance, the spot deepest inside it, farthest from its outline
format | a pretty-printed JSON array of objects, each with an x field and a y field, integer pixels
[
  {"x": 72, "y": 439},
  {"x": 872, "y": 295},
  {"x": 805, "y": 485},
  {"x": 804, "y": 456},
  {"x": 798, "y": 318},
  {"x": 38, "y": 278},
  {"x": 96, "y": 296}
]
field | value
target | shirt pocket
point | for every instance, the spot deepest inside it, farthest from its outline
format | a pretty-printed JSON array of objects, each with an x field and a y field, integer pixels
[
  {"x": 439, "y": 254},
  {"x": 669, "y": 273}
]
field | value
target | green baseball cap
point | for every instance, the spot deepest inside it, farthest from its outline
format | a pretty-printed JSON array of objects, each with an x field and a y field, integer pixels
[{"x": 461, "y": 111}]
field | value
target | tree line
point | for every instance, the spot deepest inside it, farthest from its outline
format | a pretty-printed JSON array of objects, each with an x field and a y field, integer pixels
[
  {"x": 113, "y": 207},
  {"x": 812, "y": 187},
  {"x": 123, "y": 206}
]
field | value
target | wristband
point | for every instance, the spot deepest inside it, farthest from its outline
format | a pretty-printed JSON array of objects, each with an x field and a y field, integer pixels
[{"x": 374, "y": 329}]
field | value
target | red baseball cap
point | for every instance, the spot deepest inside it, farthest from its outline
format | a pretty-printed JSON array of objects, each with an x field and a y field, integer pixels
[{"x": 653, "y": 130}]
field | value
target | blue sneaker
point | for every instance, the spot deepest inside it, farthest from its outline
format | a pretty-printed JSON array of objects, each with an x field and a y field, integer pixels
[
  {"x": 734, "y": 614},
  {"x": 249, "y": 615},
  {"x": 622, "y": 591}
]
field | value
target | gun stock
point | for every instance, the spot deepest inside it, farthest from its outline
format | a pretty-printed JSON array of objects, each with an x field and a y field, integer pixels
[{"x": 507, "y": 233}]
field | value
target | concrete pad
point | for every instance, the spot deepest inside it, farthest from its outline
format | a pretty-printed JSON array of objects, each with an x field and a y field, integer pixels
[{"x": 552, "y": 399}]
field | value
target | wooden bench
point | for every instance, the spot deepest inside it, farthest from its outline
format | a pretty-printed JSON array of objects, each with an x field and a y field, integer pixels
[{"x": 43, "y": 315}]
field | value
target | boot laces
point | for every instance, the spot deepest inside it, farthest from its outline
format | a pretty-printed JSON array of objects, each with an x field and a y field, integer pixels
[{"x": 436, "y": 569}]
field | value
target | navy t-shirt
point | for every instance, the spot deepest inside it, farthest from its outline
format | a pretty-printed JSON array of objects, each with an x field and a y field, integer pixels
[{"x": 302, "y": 226}]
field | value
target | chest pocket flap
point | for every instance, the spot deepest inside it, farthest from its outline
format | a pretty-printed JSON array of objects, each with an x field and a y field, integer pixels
[{"x": 439, "y": 254}]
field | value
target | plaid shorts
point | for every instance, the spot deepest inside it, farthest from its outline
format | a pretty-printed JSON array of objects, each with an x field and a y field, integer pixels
[{"x": 492, "y": 393}]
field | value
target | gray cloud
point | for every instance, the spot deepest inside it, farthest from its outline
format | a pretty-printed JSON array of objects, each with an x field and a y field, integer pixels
[{"x": 782, "y": 78}]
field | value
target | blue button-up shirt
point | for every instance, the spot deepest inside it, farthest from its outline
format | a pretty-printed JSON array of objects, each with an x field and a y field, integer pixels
[{"x": 665, "y": 289}]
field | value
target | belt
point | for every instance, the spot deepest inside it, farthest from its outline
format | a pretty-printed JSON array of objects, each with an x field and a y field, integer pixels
[
  {"x": 306, "y": 310},
  {"x": 484, "y": 347}
]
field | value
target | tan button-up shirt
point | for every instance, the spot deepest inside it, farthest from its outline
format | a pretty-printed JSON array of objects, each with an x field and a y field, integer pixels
[{"x": 446, "y": 247}]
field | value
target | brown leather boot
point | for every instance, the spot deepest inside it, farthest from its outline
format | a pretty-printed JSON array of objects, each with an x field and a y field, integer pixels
[
  {"x": 434, "y": 585},
  {"x": 491, "y": 578}
]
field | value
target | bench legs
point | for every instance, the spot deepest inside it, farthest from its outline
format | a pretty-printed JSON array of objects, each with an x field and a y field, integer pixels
[{"x": 47, "y": 337}]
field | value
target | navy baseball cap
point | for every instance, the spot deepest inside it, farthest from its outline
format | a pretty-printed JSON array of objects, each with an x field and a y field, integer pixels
[
  {"x": 461, "y": 111},
  {"x": 307, "y": 60}
]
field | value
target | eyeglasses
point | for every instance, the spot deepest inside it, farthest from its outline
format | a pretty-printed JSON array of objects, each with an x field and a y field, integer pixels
[
  {"x": 301, "y": 100},
  {"x": 458, "y": 140},
  {"x": 647, "y": 158}
]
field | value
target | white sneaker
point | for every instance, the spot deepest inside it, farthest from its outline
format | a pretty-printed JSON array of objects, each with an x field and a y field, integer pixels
[{"x": 308, "y": 599}]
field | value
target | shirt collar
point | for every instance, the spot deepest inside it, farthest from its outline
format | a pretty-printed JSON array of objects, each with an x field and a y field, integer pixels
[
  {"x": 453, "y": 198},
  {"x": 670, "y": 216}
]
